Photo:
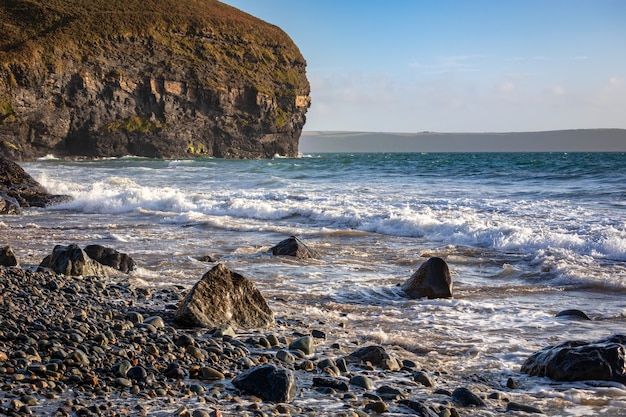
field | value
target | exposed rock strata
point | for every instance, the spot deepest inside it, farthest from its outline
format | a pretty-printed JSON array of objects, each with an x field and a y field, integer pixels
[{"x": 162, "y": 78}]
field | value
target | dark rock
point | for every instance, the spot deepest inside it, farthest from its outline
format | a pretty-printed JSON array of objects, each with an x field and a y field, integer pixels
[
  {"x": 293, "y": 247},
  {"x": 8, "y": 205},
  {"x": 421, "y": 409},
  {"x": 110, "y": 257},
  {"x": 465, "y": 398},
  {"x": 227, "y": 85},
  {"x": 7, "y": 257},
  {"x": 431, "y": 280},
  {"x": 270, "y": 382},
  {"x": 423, "y": 378},
  {"x": 303, "y": 344},
  {"x": 72, "y": 260},
  {"x": 513, "y": 406},
  {"x": 19, "y": 189},
  {"x": 224, "y": 297},
  {"x": 580, "y": 360},
  {"x": 376, "y": 355},
  {"x": 336, "y": 384},
  {"x": 573, "y": 314},
  {"x": 511, "y": 383}
]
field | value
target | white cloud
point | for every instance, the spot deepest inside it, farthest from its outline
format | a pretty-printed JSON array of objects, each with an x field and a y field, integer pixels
[{"x": 448, "y": 64}]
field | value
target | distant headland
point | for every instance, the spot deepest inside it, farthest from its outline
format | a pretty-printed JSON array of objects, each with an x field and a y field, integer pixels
[{"x": 575, "y": 140}]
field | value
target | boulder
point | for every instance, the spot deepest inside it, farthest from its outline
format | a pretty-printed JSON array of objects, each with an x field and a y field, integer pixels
[
  {"x": 269, "y": 382},
  {"x": 431, "y": 280},
  {"x": 376, "y": 355},
  {"x": 293, "y": 247},
  {"x": 72, "y": 260},
  {"x": 111, "y": 257},
  {"x": 573, "y": 314},
  {"x": 580, "y": 360},
  {"x": 224, "y": 297},
  {"x": 19, "y": 189},
  {"x": 8, "y": 205},
  {"x": 7, "y": 257}
]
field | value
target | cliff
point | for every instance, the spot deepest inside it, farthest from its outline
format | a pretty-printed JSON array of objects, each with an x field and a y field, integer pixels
[{"x": 154, "y": 78}]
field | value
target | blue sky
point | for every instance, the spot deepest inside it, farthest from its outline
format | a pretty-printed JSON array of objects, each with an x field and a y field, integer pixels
[{"x": 458, "y": 66}]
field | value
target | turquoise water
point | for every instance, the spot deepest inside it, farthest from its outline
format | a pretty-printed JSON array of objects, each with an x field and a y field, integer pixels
[{"x": 525, "y": 236}]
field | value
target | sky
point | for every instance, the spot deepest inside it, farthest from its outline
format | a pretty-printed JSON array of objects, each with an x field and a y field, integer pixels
[{"x": 457, "y": 66}]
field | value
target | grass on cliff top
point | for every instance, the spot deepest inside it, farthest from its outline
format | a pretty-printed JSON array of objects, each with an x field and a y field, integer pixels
[{"x": 30, "y": 26}]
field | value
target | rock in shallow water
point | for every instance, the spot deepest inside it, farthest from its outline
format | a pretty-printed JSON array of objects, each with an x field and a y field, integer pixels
[
  {"x": 579, "y": 360},
  {"x": 431, "y": 280}
]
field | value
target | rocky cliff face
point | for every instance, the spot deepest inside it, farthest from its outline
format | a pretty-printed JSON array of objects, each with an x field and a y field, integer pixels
[{"x": 155, "y": 78}]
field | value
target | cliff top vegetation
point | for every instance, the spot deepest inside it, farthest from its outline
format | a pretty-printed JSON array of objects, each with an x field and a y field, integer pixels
[{"x": 188, "y": 38}]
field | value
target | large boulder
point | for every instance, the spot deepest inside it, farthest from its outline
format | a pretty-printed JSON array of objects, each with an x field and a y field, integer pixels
[
  {"x": 224, "y": 297},
  {"x": 431, "y": 280},
  {"x": 7, "y": 257},
  {"x": 269, "y": 382},
  {"x": 580, "y": 360},
  {"x": 110, "y": 257},
  {"x": 293, "y": 246},
  {"x": 72, "y": 260},
  {"x": 19, "y": 189}
]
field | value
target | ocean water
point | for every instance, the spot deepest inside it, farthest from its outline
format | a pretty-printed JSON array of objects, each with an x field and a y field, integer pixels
[{"x": 525, "y": 236}]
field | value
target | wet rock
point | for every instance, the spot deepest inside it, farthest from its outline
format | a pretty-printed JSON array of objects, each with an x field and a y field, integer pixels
[
  {"x": 7, "y": 256},
  {"x": 8, "y": 205},
  {"x": 422, "y": 378},
  {"x": 419, "y": 408},
  {"x": 334, "y": 383},
  {"x": 573, "y": 314},
  {"x": 362, "y": 381},
  {"x": 223, "y": 296},
  {"x": 580, "y": 360},
  {"x": 72, "y": 260},
  {"x": 376, "y": 355},
  {"x": 513, "y": 406},
  {"x": 19, "y": 190},
  {"x": 293, "y": 247},
  {"x": 110, "y": 257},
  {"x": 464, "y": 397},
  {"x": 431, "y": 280},
  {"x": 269, "y": 382},
  {"x": 303, "y": 344}
]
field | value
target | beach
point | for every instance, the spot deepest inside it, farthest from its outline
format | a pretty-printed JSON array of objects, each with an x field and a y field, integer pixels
[{"x": 525, "y": 236}]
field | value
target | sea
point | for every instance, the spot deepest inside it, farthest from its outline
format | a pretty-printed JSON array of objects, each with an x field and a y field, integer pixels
[{"x": 525, "y": 235}]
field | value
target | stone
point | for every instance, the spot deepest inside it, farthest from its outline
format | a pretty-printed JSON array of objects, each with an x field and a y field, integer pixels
[
  {"x": 293, "y": 246},
  {"x": 8, "y": 205},
  {"x": 419, "y": 408},
  {"x": 513, "y": 406},
  {"x": 224, "y": 297},
  {"x": 269, "y": 382},
  {"x": 224, "y": 330},
  {"x": 431, "y": 280},
  {"x": 362, "y": 381},
  {"x": 19, "y": 190},
  {"x": 334, "y": 383},
  {"x": 72, "y": 261},
  {"x": 603, "y": 360},
  {"x": 7, "y": 257},
  {"x": 423, "y": 378},
  {"x": 303, "y": 344},
  {"x": 376, "y": 355},
  {"x": 110, "y": 257},
  {"x": 573, "y": 314},
  {"x": 465, "y": 398}
]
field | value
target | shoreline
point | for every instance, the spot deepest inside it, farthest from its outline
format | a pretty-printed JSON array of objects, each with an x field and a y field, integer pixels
[{"x": 107, "y": 319}]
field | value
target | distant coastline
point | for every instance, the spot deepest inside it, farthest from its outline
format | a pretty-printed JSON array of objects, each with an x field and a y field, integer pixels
[{"x": 575, "y": 140}]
